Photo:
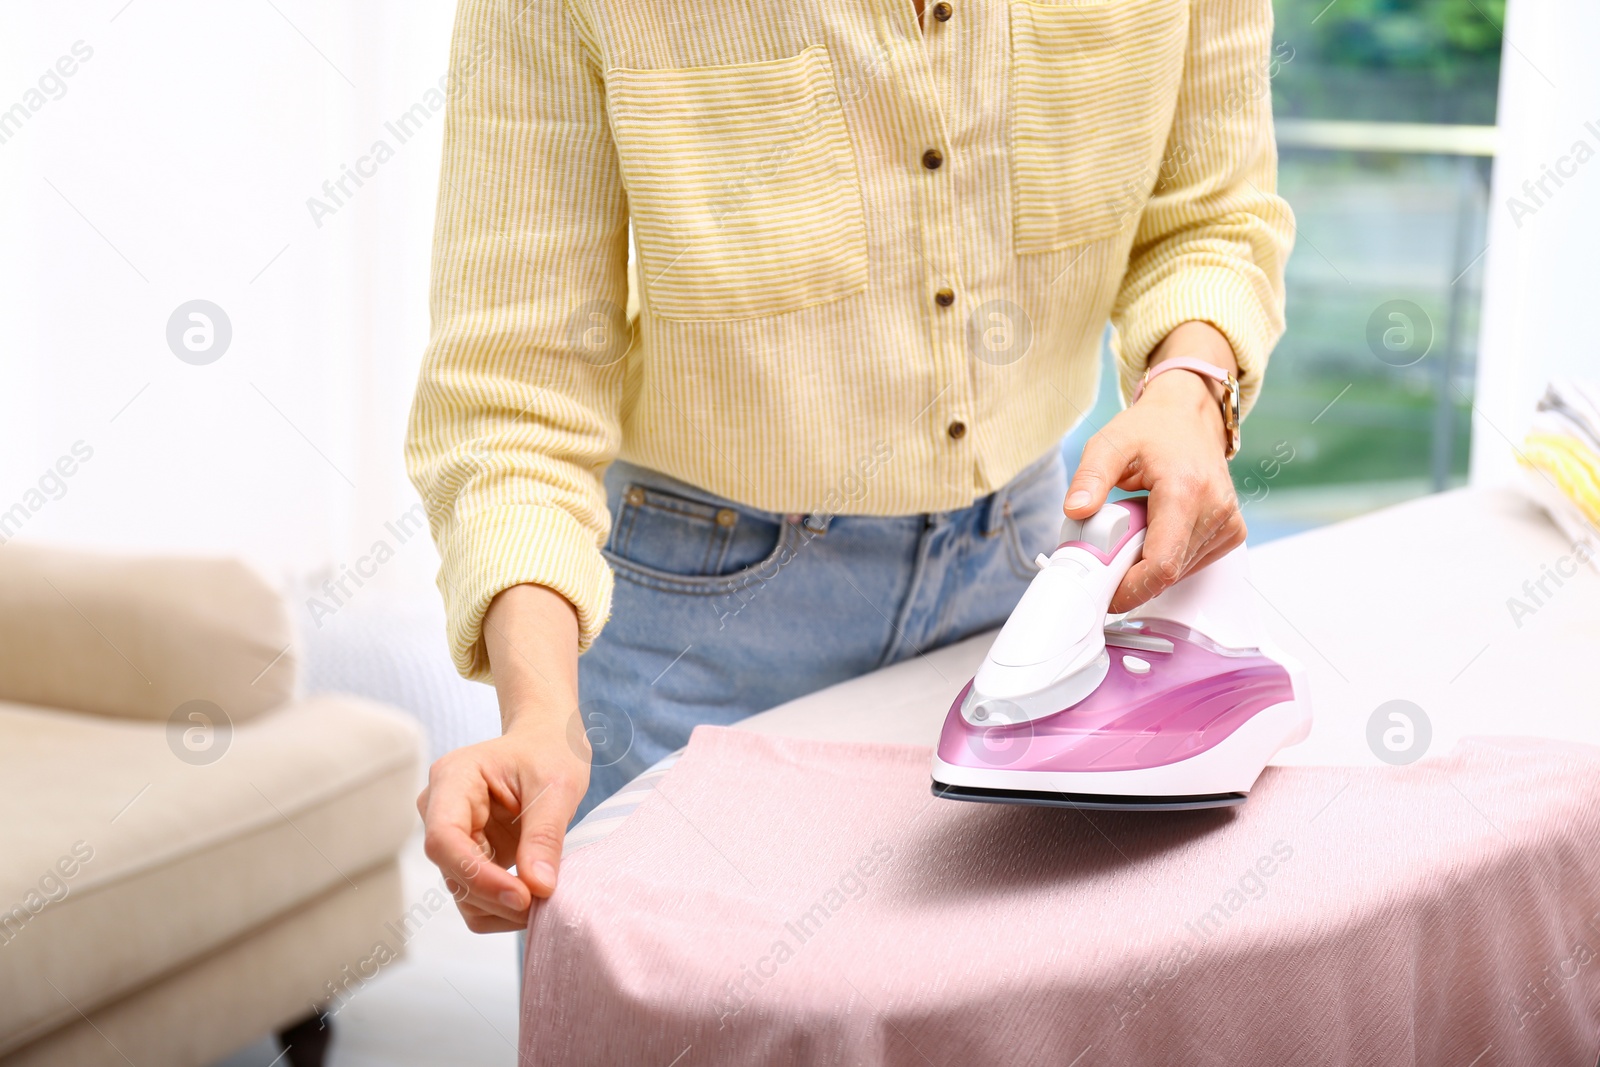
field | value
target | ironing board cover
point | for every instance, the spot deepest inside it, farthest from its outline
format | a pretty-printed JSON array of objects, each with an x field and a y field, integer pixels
[{"x": 784, "y": 901}]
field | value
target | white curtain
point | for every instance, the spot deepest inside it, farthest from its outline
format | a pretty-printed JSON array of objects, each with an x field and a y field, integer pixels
[
  {"x": 275, "y": 158},
  {"x": 1539, "y": 302}
]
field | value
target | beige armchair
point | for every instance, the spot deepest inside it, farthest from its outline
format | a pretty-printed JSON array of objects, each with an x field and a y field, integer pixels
[{"x": 191, "y": 857}]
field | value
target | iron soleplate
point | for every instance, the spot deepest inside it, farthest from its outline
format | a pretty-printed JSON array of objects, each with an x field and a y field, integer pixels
[{"x": 1086, "y": 801}]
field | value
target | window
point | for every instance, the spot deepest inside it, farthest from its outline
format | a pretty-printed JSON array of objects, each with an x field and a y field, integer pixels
[{"x": 1385, "y": 120}]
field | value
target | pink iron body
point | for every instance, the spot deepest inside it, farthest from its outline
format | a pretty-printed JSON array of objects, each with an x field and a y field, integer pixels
[{"x": 1179, "y": 704}]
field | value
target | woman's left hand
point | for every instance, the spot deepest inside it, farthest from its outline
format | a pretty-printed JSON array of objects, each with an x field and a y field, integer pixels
[{"x": 1172, "y": 443}]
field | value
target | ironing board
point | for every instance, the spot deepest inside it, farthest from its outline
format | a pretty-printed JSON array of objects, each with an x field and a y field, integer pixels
[{"x": 1410, "y": 603}]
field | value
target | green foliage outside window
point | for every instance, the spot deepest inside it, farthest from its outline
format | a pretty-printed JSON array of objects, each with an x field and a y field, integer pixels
[{"x": 1390, "y": 60}]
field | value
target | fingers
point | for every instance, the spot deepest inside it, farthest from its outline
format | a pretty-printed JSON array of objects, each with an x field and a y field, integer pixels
[
  {"x": 1102, "y": 466},
  {"x": 1167, "y": 444},
  {"x": 1221, "y": 531},
  {"x": 1192, "y": 523},
  {"x": 1166, "y": 546},
  {"x": 456, "y": 810},
  {"x": 482, "y": 922},
  {"x": 543, "y": 828},
  {"x": 501, "y": 834}
]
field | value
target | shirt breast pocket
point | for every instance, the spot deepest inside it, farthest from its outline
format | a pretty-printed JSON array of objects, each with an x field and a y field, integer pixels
[
  {"x": 1095, "y": 85},
  {"x": 743, "y": 186}
]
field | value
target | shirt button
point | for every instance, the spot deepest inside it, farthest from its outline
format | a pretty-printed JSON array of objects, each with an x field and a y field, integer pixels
[
  {"x": 944, "y": 297},
  {"x": 957, "y": 430},
  {"x": 932, "y": 158},
  {"x": 942, "y": 12}
]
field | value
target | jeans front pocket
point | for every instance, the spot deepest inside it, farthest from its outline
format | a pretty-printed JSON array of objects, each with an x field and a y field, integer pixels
[
  {"x": 742, "y": 184},
  {"x": 1033, "y": 515},
  {"x": 1096, "y": 85},
  {"x": 679, "y": 544}
]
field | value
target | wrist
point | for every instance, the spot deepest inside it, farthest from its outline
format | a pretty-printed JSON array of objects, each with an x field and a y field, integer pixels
[
  {"x": 1189, "y": 399},
  {"x": 1186, "y": 388},
  {"x": 531, "y": 635},
  {"x": 1197, "y": 340},
  {"x": 1195, "y": 361}
]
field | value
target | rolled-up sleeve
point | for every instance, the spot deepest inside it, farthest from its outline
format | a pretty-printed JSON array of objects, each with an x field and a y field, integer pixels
[
  {"x": 1213, "y": 238},
  {"x": 517, "y": 409}
]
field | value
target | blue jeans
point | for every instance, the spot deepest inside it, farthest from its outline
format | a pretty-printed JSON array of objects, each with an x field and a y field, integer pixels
[{"x": 722, "y": 611}]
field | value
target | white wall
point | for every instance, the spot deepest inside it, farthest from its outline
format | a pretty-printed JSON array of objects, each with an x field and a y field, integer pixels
[
  {"x": 176, "y": 164},
  {"x": 1541, "y": 302}
]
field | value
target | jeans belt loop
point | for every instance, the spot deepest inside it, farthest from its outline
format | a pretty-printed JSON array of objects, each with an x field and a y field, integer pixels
[{"x": 817, "y": 523}]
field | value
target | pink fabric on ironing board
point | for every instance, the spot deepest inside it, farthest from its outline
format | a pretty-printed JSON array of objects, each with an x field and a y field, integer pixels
[{"x": 780, "y": 901}]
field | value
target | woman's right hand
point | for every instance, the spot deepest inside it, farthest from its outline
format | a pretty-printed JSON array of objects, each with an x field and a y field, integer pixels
[{"x": 506, "y": 803}]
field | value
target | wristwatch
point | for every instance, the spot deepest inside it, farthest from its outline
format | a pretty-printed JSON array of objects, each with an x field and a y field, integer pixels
[{"x": 1230, "y": 391}]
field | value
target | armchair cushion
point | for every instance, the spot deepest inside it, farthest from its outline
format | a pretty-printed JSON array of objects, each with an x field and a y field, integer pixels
[{"x": 123, "y": 860}]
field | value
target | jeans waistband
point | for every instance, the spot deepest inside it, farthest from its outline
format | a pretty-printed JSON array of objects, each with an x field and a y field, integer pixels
[
  {"x": 649, "y": 478},
  {"x": 993, "y": 506},
  {"x": 997, "y": 502}
]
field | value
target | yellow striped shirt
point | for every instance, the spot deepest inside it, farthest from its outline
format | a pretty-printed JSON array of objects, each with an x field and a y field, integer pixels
[{"x": 854, "y": 237}]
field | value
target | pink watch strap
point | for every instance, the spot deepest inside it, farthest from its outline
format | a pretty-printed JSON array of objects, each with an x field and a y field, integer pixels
[
  {"x": 1199, "y": 366},
  {"x": 1230, "y": 392}
]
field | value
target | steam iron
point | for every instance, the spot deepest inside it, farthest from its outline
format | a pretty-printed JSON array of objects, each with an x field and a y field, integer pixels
[{"x": 1178, "y": 704}]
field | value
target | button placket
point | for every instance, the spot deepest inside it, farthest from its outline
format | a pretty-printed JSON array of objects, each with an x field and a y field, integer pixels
[{"x": 934, "y": 204}]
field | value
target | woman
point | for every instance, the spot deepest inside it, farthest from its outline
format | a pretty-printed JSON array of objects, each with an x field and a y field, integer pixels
[{"x": 876, "y": 250}]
